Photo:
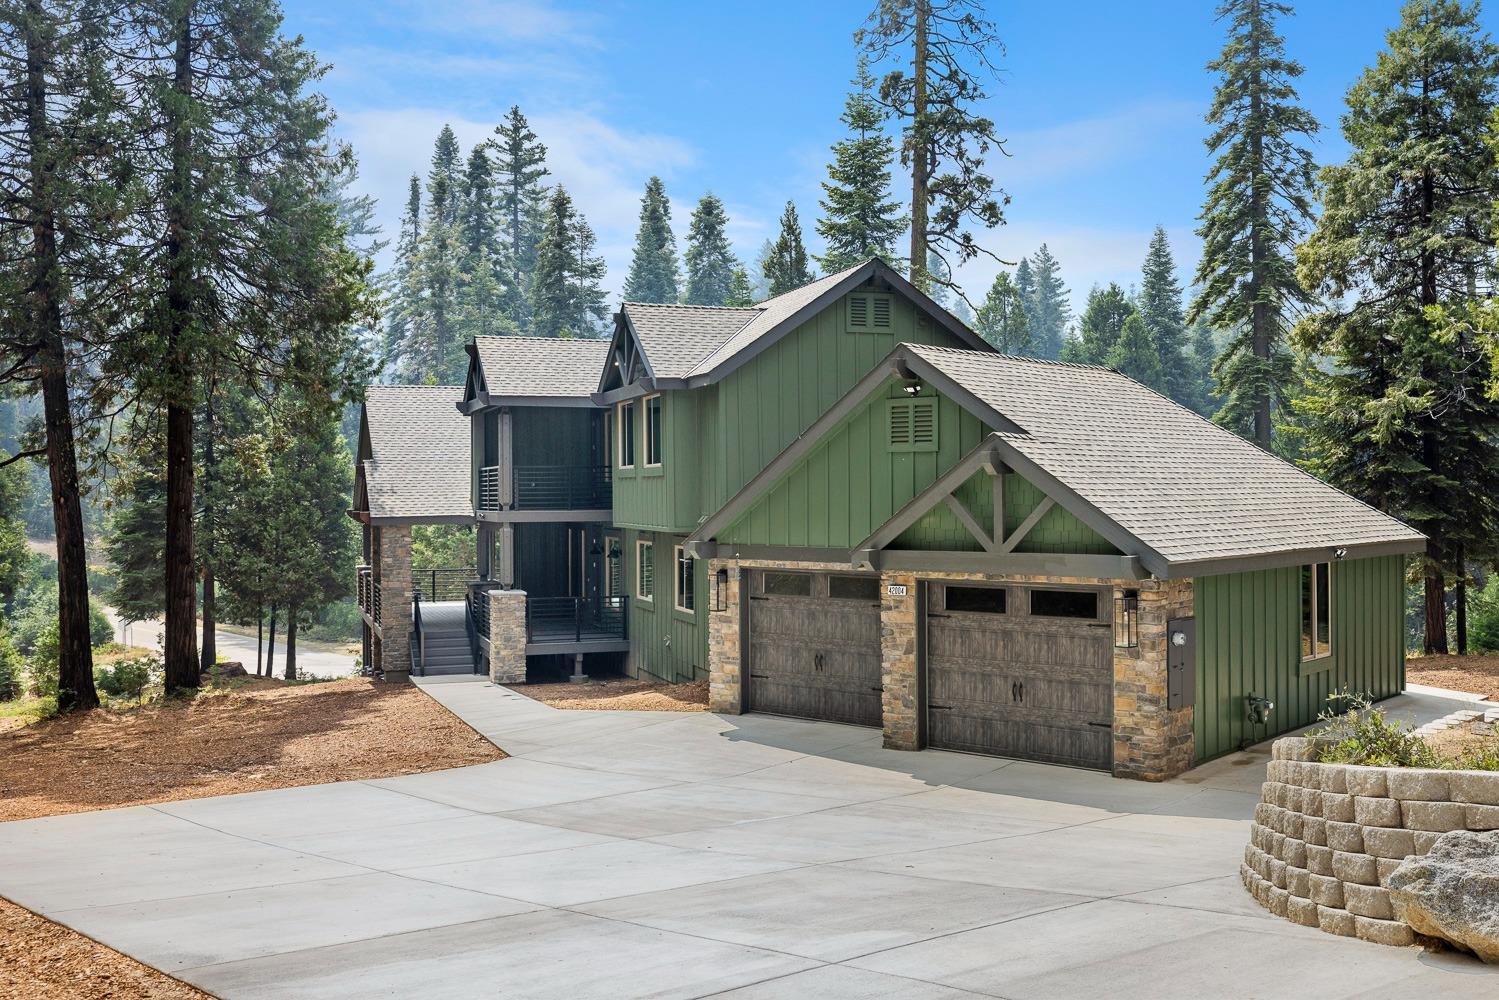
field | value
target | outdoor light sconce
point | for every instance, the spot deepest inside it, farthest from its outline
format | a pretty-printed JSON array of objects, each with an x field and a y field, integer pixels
[
  {"x": 1127, "y": 619},
  {"x": 912, "y": 388},
  {"x": 721, "y": 590}
]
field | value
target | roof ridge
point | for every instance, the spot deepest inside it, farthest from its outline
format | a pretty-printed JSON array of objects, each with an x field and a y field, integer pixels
[
  {"x": 1021, "y": 357},
  {"x": 693, "y": 305},
  {"x": 539, "y": 337},
  {"x": 410, "y": 385}
]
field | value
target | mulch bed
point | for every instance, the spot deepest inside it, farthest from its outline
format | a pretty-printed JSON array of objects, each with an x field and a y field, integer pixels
[
  {"x": 1474, "y": 674},
  {"x": 622, "y": 694}
]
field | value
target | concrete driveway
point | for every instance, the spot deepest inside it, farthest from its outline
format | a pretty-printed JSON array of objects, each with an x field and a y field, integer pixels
[{"x": 686, "y": 855}]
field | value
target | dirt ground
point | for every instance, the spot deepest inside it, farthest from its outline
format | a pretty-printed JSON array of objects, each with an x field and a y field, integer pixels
[
  {"x": 40, "y": 960},
  {"x": 251, "y": 735},
  {"x": 622, "y": 694},
  {"x": 1475, "y": 674}
]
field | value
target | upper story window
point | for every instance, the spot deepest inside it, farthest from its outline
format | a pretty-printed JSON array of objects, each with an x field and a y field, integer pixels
[
  {"x": 1316, "y": 611},
  {"x": 653, "y": 430},
  {"x": 685, "y": 566},
  {"x": 624, "y": 427}
]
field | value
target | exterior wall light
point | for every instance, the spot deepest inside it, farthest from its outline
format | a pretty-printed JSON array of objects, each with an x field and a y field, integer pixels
[
  {"x": 1127, "y": 619},
  {"x": 912, "y": 388},
  {"x": 720, "y": 600}
]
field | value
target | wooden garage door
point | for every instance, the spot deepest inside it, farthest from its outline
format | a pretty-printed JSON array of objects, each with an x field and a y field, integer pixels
[
  {"x": 1003, "y": 680},
  {"x": 814, "y": 646}
]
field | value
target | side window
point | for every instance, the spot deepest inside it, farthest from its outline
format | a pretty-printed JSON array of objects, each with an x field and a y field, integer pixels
[
  {"x": 685, "y": 565},
  {"x": 653, "y": 430},
  {"x": 645, "y": 571},
  {"x": 625, "y": 426},
  {"x": 1316, "y": 611},
  {"x": 786, "y": 584}
]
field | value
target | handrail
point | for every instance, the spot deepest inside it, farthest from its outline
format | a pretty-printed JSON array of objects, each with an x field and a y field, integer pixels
[
  {"x": 572, "y": 619},
  {"x": 472, "y": 600},
  {"x": 442, "y": 583},
  {"x": 420, "y": 633}
]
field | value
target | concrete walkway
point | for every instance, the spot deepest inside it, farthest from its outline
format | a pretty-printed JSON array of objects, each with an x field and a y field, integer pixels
[{"x": 624, "y": 854}]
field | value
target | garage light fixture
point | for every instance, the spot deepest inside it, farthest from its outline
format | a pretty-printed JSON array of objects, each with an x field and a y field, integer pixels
[
  {"x": 720, "y": 600},
  {"x": 912, "y": 388},
  {"x": 1127, "y": 619}
]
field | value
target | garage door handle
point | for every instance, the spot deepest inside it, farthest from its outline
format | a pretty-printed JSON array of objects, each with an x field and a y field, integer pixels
[
  {"x": 944, "y": 708},
  {"x": 760, "y": 677},
  {"x": 757, "y": 597},
  {"x": 878, "y": 689},
  {"x": 936, "y": 614},
  {"x": 1100, "y": 625},
  {"x": 1102, "y": 725}
]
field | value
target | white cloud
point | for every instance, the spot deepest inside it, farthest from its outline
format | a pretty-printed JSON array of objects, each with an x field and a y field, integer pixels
[
  {"x": 507, "y": 21},
  {"x": 1087, "y": 145}
]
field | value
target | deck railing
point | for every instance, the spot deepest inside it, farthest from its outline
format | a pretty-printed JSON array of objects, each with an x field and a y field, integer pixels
[
  {"x": 548, "y": 487},
  {"x": 574, "y": 619},
  {"x": 478, "y": 609},
  {"x": 442, "y": 583},
  {"x": 369, "y": 593},
  {"x": 489, "y": 487}
]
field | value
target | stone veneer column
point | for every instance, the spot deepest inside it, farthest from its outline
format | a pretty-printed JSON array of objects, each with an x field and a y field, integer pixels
[
  {"x": 1151, "y": 741},
  {"x": 395, "y": 602},
  {"x": 507, "y": 636},
  {"x": 898, "y": 653},
  {"x": 725, "y": 685}
]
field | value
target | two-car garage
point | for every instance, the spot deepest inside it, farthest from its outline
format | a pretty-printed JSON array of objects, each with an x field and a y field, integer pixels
[{"x": 1014, "y": 671}]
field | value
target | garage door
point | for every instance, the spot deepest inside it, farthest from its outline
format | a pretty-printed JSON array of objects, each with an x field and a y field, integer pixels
[
  {"x": 1021, "y": 672},
  {"x": 814, "y": 646}
]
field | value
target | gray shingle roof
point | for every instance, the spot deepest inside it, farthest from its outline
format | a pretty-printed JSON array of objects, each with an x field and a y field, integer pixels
[
  {"x": 541, "y": 366},
  {"x": 419, "y": 448},
  {"x": 1180, "y": 484}
]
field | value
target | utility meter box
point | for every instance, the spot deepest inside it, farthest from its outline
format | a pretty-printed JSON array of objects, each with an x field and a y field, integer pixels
[{"x": 1181, "y": 662}]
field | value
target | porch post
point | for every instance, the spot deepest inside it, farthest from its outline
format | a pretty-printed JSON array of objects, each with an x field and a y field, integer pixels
[
  {"x": 507, "y": 636},
  {"x": 506, "y": 569},
  {"x": 395, "y": 602},
  {"x": 507, "y": 459},
  {"x": 725, "y": 692}
]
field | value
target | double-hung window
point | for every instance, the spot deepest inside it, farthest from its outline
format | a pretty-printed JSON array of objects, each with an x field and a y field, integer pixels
[
  {"x": 653, "y": 431},
  {"x": 1316, "y": 611},
  {"x": 645, "y": 571},
  {"x": 624, "y": 426},
  {"x": 685, "y": 566}
]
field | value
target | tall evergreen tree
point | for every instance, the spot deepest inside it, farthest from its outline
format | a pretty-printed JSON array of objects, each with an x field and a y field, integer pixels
[
  {"x": 787, "y": 270},
  {"x": 949, "y": 46},
  {"x": 565, "y": 294},
  {"x": 405, "y": 304},
  {"x": 1002, "y": 320},
  {"x": 1137, "y": 354},
  {"x": 1258, "y": 205},
  {"x": 1050, "y": 308},
  {"x": 480, "y": 299},
  {"x": 436, "y": 349},
  {"x": 710, "y": 259},
  {"x": 654, "y": 271},
  {"x": 860, "y": 219},
  {"x": 1161, "y": 312},
  {"x": 1401, "y": 421},
  {"x": 741, "y": 289},
  {"x": 1025, "y": 284},
  {"x": 520, "y": 165},
  {"x": 1100, "y": 327}
]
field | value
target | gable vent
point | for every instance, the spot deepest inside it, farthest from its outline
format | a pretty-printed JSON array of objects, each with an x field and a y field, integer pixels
[
  {"x": 913, "y": 425},
  {"x": 870, "y": 312}
]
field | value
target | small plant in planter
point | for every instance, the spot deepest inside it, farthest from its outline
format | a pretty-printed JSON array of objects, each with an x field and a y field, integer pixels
[{"x": 1354, "y": 731}]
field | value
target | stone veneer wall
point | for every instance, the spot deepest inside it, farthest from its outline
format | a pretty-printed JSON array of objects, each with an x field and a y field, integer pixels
[
  {"x": 1326, "y": 837},
  {"x": 507, "y": 636},
  {"x": 1151, "y": 742},
  {"x": 395, "y": 602}
]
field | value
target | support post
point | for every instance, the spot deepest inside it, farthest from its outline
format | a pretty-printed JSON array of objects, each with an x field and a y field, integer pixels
[
  {"x": 395, "y": 602},
  {"x": 507, "y": 636},
  {"x": 578, "y": 677}
]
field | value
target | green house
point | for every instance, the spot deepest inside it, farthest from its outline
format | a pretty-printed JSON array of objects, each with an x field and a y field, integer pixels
[{"x": 840, "y": 504}]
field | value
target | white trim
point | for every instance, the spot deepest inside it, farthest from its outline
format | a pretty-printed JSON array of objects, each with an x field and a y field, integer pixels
[
  {"x": 1318, "y": 614},
  {"x": 640, "y": 594},
  {"x": 676, "y": 580},
  {"x": 619, "y": 435},
  {"x": 645, "y": 431}
]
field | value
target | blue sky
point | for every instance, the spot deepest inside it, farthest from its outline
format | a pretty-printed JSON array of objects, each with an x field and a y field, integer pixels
[{"x": 1101, "y": 103}]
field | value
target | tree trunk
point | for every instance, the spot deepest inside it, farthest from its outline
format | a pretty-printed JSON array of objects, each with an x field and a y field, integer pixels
[
  {"x": 181, "y": 644},
  {"x": 1436, "y": 613},
  {"x": 259, "y": 639},
  {"x": 1462, "y": 602},
  {"x": 270, "y": 647},
  {"x": 920, "y": 142},
  {"x": 75, "y": 686},
  {"x": 291, "y": 642},
  {"x": 210, "y": 654}
]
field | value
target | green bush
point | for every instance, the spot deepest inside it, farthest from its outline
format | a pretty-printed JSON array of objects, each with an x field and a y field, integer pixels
[
  {"x": 1483, "y": 617},
  {"x": 1361, "y": 734},
  {"x": 127, "y": 677},
  {"x": 11, "y": 666}
]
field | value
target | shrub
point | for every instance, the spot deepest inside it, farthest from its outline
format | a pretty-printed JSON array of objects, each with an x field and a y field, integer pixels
[
  {"x": 128, "y": 677},
  {"x": 11, "y": 666},
  {"x": 1362, "y": 735}
]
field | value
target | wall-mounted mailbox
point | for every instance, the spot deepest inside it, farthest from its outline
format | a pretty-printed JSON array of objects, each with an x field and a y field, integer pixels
[{"x": 1181, "y": 662}]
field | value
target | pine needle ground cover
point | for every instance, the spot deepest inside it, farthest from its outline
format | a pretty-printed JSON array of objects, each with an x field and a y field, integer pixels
[{"x": 622, "y": 695}]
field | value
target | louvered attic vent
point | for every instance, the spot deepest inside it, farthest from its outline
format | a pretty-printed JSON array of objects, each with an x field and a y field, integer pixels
[
  {"x": 913, "y": 425},
  {"x": 870, "y": 312}
]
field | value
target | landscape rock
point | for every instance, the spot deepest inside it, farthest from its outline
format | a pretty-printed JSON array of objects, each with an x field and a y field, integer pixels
[
  {"x": 231, "y": 668},
  {"x": 1453, "y": 892}
]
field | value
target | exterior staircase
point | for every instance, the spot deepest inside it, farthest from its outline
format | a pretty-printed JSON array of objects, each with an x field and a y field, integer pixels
[{"x": 446, "y": 639}]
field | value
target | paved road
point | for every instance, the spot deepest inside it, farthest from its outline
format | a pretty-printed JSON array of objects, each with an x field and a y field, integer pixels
[
  {"x": 233, "y": 646},
  {"x": 685, "y": 855}
]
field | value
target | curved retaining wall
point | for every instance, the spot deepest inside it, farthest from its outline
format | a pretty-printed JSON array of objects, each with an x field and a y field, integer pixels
[{"x": 1326, "y": 837}]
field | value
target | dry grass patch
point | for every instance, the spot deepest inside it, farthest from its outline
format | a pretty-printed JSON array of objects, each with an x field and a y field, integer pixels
[
  {"x": 622, "y": 694},
  {"x": 1474, "y": 674},
  {"x": 246, "y": 736},
  {"x": 41, "y": 960}
]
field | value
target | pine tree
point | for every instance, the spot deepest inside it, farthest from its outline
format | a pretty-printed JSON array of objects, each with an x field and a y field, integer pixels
[
  {"x": 948, "y": 44},
  {"x": 480, "y": 299},
  {"x": 1137, "y": 354},
  {"x": 565, "y": 294},
  {"x": 1050, "y": 307},
  {"x": 1401, "y": 421},
  {"x": 1025, "y": 284},
  {"x": 1204, "y": 357},
  {"x": 520, "y": 164},
  {"x": 757, "y": 273},
  {"x": 787, "y": 270},
  {"x": 1161, "y": 311},
  {"x": 654, "y": 271},
  {"x": 1002, "y": 321},
  {"x": 860, "y": 219},
  {"x": 1257, "y": 207},
  {"x": 710, "y": 259},
  {"x": 1100, "y": 327},
  {"x": 406, "y": 292},
  {"x": 436, "y": 348},
  {"x": 741, "y": 289}
]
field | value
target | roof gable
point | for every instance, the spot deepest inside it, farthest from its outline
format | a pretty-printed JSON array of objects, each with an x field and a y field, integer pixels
[
  {"x": 414, "y": 446},
  {"x": 535, "y": 370}
]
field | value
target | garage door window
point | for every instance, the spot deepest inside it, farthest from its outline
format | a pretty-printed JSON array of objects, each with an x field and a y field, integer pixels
[
  {"x": 984, "y": 600},
  {"x": 1064, "y": 604},
  {"x": 854, "y": 588},
  {"x": 787, "y": 584}
]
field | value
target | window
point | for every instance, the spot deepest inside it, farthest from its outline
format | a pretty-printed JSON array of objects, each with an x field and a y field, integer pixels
[
  {"x": 854, "y": 588},
  {"x": 1064, "y": 604},
  {"x": 913, "y": 424},
  {"x": 1316, "y": 611},
  {"x": 786, "y": 584},
  {"x": 645, "y": 570},
  {"x": 625, "y": 426},
  {"x": 983, "y": 600},
  {"x": 653, "y": 430},
  {"x": 870, "y": 312},
  {"x": 683, "y": 594},
  {"x": 614, "y": 557}
]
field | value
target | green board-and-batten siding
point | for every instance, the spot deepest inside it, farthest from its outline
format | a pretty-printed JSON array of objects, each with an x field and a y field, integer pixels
[
  {"x": 1057, "y": 531},
  {"x": 1248, "y": 642},
  {"x": 685, "y": 657}
]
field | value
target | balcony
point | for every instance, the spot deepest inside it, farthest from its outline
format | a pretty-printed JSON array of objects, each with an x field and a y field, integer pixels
[
  {"x": 575, "y": 619},
  {"x": 546, "y": 487},
  {"x": 443, "y": 583}
]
